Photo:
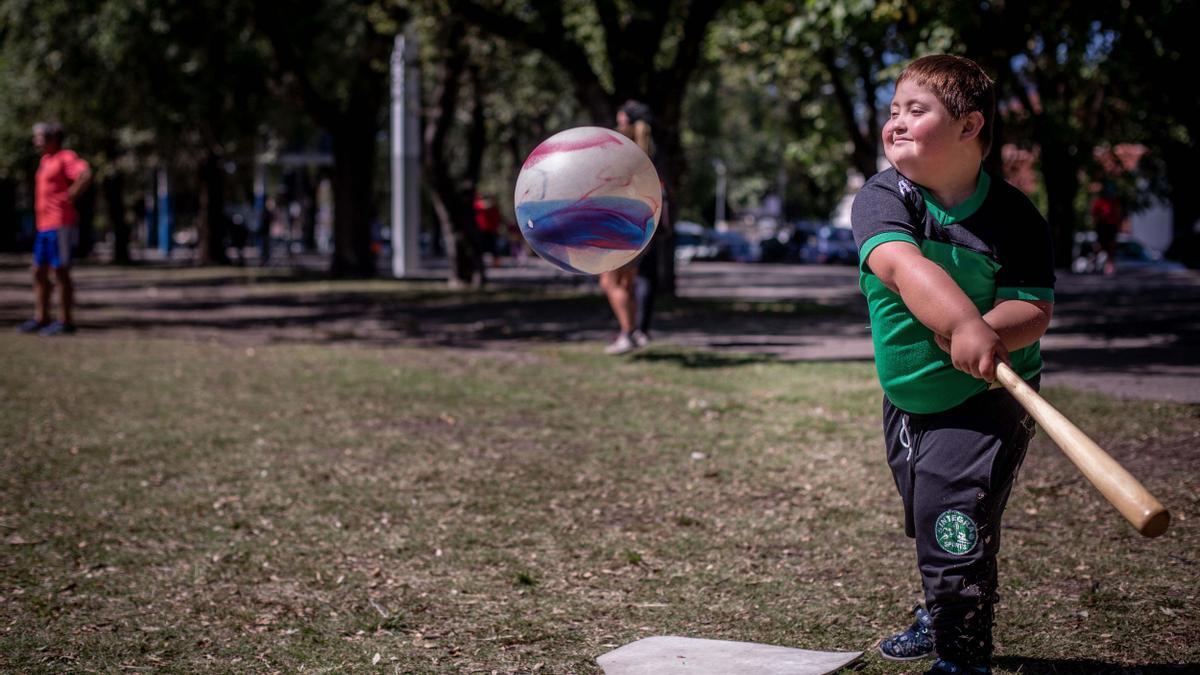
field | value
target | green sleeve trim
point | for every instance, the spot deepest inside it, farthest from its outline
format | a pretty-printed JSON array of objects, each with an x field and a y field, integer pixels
[
  {"x": 881, "y": 238},
  {"x": 1025, "y": 293}
]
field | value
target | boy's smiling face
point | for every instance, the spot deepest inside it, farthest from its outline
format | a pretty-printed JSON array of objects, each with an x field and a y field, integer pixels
[{"x": 921, "y": 135}]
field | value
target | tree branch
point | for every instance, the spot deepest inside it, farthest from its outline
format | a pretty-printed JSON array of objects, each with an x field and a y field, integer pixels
[
  {"x": 569, "y": 54},
  {"x": 845, "y": 104},
  {"x": 289, "y": 61},
  {"x": 695, "y": 27}
]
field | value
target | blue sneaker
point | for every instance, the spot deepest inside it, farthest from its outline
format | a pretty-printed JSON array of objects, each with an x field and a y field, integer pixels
[
  {"x": 57, "y": 328},
  {"x": 944, "y": 667},
  {"x": 914, "y": 643},
  {"x": 31, "y": 326}
]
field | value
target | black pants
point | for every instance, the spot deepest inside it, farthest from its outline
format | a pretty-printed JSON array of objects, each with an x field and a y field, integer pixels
[{"x": 955, "y": 470}]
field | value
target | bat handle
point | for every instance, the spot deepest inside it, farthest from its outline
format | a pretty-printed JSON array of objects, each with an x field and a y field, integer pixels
[{"x": 1117, "y": 485}]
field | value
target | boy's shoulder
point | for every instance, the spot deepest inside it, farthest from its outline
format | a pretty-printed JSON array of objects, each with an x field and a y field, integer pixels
[
  {"x": 891, "y": 184},
  {"x": 891, "y": 196}
]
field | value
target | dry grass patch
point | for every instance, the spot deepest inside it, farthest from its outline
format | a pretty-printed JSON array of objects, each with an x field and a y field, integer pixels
[{"x": 213, "y": 507}]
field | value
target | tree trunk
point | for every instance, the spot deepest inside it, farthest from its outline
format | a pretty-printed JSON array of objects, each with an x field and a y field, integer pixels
[
  {"x": 213, "y": 230},
  {"x": 453, "y": 198},
  {"x": 353, "y": 177},
  {"x": 9, "y": 227},
  {"x": 671, "y": 165},
  {"x": 456, "y": 218},
  {"x": 631, "y": 42},
  {"x": 1183, "y": 174},
  {"x": 113, "y": 187},
  {"x": 1061, "y": 174},
  {"x": 865, "y": 153}
]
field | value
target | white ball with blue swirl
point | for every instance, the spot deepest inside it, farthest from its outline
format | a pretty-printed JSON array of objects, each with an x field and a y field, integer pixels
[{"x": 588, "y": 200}]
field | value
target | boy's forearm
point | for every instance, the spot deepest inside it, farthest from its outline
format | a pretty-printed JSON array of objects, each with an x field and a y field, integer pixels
[
  {"x": 1019, "y": 323},
  {"x": 932, "y": 296}
]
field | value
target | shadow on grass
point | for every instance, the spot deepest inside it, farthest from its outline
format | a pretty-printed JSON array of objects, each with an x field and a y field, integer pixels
[
  {"x": 703, "y": 359},
  {"x": 302, "y": 305},
  {"x": 1033, "y": 666}
]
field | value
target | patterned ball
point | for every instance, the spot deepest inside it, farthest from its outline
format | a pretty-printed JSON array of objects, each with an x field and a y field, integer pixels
[{"x": 588, "y": 200}]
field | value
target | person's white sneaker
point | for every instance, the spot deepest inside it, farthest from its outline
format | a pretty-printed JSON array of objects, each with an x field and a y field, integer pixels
[
  {"x": 622, "y": 345},
  {"x": 640, "y": 339}
]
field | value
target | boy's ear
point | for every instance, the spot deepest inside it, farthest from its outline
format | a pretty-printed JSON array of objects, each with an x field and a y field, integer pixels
[{"x": 972, "y": 125}]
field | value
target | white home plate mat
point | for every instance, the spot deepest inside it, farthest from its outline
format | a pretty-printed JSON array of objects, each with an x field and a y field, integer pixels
[{"x": 695, "y": 656}]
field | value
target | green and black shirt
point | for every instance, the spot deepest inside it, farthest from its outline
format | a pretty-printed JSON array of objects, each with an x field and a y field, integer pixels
[{"x": 995, "y": 245}]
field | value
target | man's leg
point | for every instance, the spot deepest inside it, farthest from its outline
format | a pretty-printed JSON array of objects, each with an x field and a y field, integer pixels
[
  {"x": 66, "y": 295},
  {"x": 41, "y": 294},
  {"x": 45, "y": 254}
]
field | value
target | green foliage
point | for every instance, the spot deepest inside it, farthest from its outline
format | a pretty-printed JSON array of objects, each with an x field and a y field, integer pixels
[
  {"x": 155, "y": 79},
  {"x": 786, "y": 94},
  {"x": 792, "y": 94}
]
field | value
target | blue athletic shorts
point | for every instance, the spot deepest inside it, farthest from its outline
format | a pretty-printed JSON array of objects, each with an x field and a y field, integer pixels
[{"x": 52, "y": 248}]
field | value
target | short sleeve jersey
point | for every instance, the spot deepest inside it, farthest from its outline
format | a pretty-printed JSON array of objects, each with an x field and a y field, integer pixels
[
  {"x": 55, "y": 174},
  {"x": 995, "y": 245}
]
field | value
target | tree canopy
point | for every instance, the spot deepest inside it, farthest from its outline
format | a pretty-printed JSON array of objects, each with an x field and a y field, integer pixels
[{"x": 787, "y": 96}]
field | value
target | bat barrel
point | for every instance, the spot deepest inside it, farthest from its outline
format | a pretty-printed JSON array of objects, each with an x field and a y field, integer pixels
[{"x": 1117, "y": 485}]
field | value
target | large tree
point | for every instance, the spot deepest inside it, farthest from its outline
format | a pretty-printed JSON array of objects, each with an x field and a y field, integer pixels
[
  {"x": 453, "y": 176},
  {"x": 487, "y": 103},
  {"x": 1051, "y": 62},
  {"x": 612, "y": 51},
  {"x": 334, "y": 54},
  {"x": 208, "y": 82},
  {"x": 824, "y": 64}
]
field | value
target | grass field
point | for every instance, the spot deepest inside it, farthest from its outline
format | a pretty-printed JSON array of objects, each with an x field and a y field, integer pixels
[{"x": 190, "y": 506}]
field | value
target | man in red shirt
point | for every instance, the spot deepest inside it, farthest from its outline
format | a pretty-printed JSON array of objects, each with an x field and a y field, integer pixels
[{"x": 61, "y": 177}]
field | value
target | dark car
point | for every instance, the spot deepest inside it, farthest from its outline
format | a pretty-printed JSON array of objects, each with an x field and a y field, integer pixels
[
  {"x": 831, "y": 246},
  {"x": 790, "y": 242}
]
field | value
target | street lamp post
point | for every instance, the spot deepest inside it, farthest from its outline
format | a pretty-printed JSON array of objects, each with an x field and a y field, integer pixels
[
  {"x": 719, "y": 211},
  {"x": 406, "y": 167}
]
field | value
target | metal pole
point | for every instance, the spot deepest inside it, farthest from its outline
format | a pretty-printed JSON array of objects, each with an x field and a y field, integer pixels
[
  {"x": 406, "y": 156},
  {"x": 150, "y": 200},
  {"x": 262, "y": 224},
  {"x": 719, "y": 211},
  {"x": 164, "y": 213}
]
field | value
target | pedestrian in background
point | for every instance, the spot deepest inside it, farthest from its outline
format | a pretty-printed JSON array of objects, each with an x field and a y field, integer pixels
[
  {"x": 62, "y": 176},
  {"x": 630, "y": 289}
]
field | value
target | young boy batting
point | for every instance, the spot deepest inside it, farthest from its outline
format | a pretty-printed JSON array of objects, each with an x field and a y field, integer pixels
[{"x": 958, "y": 272}]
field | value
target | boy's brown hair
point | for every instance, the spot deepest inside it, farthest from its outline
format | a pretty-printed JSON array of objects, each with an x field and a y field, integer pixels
[{"x": 961, "y": 85}]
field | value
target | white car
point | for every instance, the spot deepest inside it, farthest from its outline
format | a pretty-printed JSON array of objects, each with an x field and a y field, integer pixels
[{"x": 693, "y": 241}]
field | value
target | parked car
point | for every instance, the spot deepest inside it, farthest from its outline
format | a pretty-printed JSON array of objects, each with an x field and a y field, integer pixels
[
  {"x": 693, "y": 241},
  {"x": 1130, "y": 255},
  {"x": 831, "y": 246},
  {"x": 735, "y": 247},
  {"x": 789, "y": 242}
]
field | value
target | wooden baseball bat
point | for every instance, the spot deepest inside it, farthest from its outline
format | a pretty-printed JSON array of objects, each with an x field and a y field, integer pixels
[{"x": 1119, "y": 487}]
